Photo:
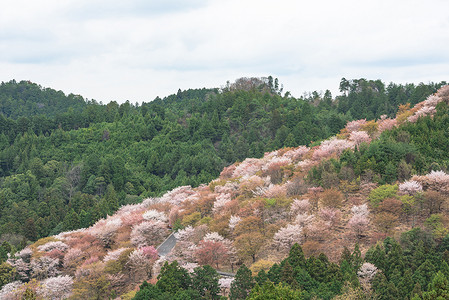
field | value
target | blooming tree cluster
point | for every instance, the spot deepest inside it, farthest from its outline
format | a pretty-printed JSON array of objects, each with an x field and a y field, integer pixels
[
  {"x": 355, "y": 125},
  {"x": 114, "y": 254},
  {"x": 435, "y": 180},
  {"x": 148, "y": 233},
  {"x": 332, "y": 146},
  {"x": 425, "y": 108},
  {"x": 359, "y": 137},
  {"x": 59, "y": 287},
  {"x": 220, "y": 201},
  {"x": 44, "y": 267},
  {"x": 359, "y": 221},
  {"x": 179, "y": 195},
  {"x": 154, "y": 215},
  {"x": 58, "y": 245},
  {"x": 367, "y": 271},
  {"x": 287, "y": 236},
  {"x": 233, "y": 221},
  {"x": 410, "y": 187}
]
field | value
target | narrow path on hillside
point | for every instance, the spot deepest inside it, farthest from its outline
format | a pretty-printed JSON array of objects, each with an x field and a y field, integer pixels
[{"x": 167, "y": 245}]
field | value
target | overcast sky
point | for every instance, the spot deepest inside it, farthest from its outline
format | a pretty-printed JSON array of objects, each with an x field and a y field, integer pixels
[{"x": 139, "y": 49}]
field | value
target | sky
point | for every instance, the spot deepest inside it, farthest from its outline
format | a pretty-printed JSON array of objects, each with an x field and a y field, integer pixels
[{"x": 138, "y": 49}]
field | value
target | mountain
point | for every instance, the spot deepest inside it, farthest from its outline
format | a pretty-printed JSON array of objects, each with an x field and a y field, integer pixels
[
  {"x": 373, "y": 181},
  {"x": 70, "y": 167}
]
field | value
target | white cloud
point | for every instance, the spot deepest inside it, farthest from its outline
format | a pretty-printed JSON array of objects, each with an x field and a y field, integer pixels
[{"x": 138, "y": 50}]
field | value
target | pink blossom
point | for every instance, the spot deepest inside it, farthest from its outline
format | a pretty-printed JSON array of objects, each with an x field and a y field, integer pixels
[
  {"x": 355, "y": 125},
  {"x": 367, "y": 271},
  {"x": 410, "y": 187},
  {"x": 304, "y": 219},
  {"x": 220, "y": 201},
  {"x": 435, "y": 180},
  {"x": 359, "y": 137},
  {"x": 59, "y": 287},
  {"x": 22, "y": 268},
  {"x": 330, "y": 215},
  {"x": 276, "y": 191},
  {"x": 386, "y": 124},
  {"x": 179, "y": 195},
  {"x": 287, "y": 236},
  {"x": 58, "y": 245},
  {"x": 105, "y": 230},
  {"x": 277, "y": 162},
  {"x": 213, "y": 237},
  {"x": 248, "y": 167},
  {"x": 114, "y": 255},
  {"x": 228, "y": 188},
  {"x": 8, "y": 291},
  {"x": 361, "y": 210},
  {"x": 233, "y": 221},
  {"x": 131, "y": 218},
  {"x": 225, "y": 282},
  {"x": 331, "y": 146},
  {"x": 296, "y": 153},
  {"x": 73, "y": 256},
  {"x": 148, "y": 233},
  {"x": 44, "y": 267},
  {"x": 358, "y": 223},
  {"x": 149, "y": 252},
  {"x": 190, "y": 267},
  {"x": 154, "y": 215},
  {"x": 25, "y": 254},
  {"x": 185, "y": 234},
  {"x": 300, "y": 206}
]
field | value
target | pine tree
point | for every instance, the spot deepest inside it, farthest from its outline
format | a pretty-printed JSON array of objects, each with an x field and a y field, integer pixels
[{"x": 242, "y": 284}]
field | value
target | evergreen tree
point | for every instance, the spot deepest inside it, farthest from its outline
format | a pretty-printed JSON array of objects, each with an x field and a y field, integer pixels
[
  {"x": 205, "y": 282},
  {"x": 243, "y": 283}
]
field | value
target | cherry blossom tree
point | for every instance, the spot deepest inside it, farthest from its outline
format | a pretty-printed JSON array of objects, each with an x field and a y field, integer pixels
[
  {"x": 8, "y": 291},
  {"x": 330, "y": 215},
  {"x": 304, "y": 219},
  {"x": 233, "y": 221},
  {"x": 367, "y": 271},
  {"x": 59, "y": 287},
  {"x": 358, "y": 223},
  {"x": 410, "y": 187},
  {"x": 355, "y": 125},
  {"x": 148, "y": 233},
  {"x": 141, "y": 260},
  {"x": 287, "y": 236},
  {"x": 114, "y": 254},
  {"x": 72, "y": 258},
  {"x": 154, "y": 215},
  {"x": 220, "y": 201},
  {"x": 386, "y": 124},
  {"x": 105, "y": 230},
  {"x": 44, "y": 267},
  {"x": 212, "y": 253},
  {"x": 58, "y": 245},
  {"x": 359, "y": 137}
]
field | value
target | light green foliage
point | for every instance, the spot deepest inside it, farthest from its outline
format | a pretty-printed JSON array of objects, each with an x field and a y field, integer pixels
[{"x": 384, "y": 191}]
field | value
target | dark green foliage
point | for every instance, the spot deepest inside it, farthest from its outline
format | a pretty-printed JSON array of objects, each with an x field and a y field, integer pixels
[
  {"x": 438, "y": 288},
  {"x": 296, "y": 256},
  {"x": 173, "y": 278},
  {"x": 244, "y": 282},
  {"x": 205, "y": 282},
  {"x": 269, "y": 291}
]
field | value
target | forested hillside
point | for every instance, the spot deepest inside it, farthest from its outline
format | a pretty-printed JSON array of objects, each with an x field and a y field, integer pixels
[
  {"x": 379, "y": 187},
  {"x": 65, "y": 161}
]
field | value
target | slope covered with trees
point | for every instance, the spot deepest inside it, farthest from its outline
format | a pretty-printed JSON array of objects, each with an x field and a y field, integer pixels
[
  {"x": 65, "y": 162},
  {"x": 373, "y": 180}
]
